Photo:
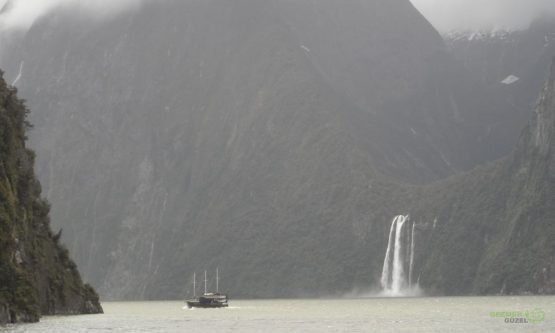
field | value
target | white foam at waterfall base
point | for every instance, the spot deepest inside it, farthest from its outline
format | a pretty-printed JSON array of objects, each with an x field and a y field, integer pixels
[{"x": 412, "y": 291}]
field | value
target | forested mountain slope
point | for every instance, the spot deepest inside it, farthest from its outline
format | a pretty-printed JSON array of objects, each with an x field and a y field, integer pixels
[{"x": 272, "y": 139}]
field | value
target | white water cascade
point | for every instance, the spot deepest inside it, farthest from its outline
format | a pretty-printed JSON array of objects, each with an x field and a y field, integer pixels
[
  {"x": 411, "y": 262},
  {"x": 394, "y": 281}
]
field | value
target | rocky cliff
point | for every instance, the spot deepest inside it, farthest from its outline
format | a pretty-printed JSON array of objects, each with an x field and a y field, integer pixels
[
  {"x": 37, "y": 276},
  {"x": 491, "y": 231}
]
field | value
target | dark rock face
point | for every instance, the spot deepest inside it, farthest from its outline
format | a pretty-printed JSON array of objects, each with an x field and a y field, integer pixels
[
  {"x": 37, "y": 277},
  {"x": 494, "y": 226},
  {"x": 267, "y": 138},
  {"x": 4, "y": 313}
]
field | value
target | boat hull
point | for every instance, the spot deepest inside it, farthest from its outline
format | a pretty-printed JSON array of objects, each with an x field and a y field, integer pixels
[
  {"x": 208, "y": 300},
  {"x": 197, "y": 304}
]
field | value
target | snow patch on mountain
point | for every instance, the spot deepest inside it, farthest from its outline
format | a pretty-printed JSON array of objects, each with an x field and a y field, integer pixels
[
  {"x": 471, "y": 35},
  {"x": 510, "y": 79}
]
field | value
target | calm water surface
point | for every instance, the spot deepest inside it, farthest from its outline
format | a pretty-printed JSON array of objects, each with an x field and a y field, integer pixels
[{"x": 444, "y": 314}]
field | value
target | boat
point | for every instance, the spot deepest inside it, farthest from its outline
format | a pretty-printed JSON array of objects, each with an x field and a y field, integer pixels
[{"x": 208, "y": 299}]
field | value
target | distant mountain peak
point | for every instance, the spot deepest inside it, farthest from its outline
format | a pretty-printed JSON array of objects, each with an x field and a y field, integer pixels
[{"x": 477, "y": 35}]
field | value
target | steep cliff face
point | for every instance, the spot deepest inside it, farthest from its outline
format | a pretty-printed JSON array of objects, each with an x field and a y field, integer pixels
[
  {"x": 37, "y": 277},
  {"x": 522, "y": 259},
  {"x": 491, "y": 230}
]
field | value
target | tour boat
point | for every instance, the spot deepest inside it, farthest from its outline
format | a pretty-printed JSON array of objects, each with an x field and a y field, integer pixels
[{"x": 208, "y": 299}]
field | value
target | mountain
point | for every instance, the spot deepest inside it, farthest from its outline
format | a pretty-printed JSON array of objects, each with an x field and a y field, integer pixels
[
  {"x": 490, "y": 231},
  {"x": 37, "y": 276},
  {"x": 272, "y": 139}
]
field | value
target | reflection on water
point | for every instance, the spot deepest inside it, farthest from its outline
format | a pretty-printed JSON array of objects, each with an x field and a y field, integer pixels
[{"x": 445, "y": 314}]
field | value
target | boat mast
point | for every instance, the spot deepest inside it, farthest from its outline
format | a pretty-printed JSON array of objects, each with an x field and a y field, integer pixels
[
  {"x": 205, "y": 282},
  {"x": 217, "y": 281},
  {"x": 194, "y": 284}
]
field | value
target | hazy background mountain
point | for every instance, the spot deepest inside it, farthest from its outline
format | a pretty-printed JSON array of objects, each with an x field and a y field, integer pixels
[
  {"x": 515, "y": 61},
  {"x": 479, "y": 15},
  {"x": 273, "y": 140}
]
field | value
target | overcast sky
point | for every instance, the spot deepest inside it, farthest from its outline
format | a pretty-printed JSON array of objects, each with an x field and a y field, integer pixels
[
  {"x": 445, "y": 15},
  {"x": 448, "y": 15}
]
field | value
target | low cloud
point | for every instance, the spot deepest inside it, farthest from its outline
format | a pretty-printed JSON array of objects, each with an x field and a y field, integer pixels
[
  {"x": 445, "y": 15},
  {"x": 21, "y": 14},
  {"x": 448, "y": 15}
]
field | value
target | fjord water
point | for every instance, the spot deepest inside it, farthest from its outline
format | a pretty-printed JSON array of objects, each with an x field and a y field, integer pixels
[{"x": 425, "y": 314}]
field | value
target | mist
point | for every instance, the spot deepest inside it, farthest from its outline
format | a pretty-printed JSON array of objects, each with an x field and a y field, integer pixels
[
  {"x": 19, "y": 15},
  {"x": 447, "y": 15}
]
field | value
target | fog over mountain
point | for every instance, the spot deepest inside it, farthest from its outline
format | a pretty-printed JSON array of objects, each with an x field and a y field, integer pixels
[
  {"x": 447, "y": 15},
  {"x": 21, "y": 14}
]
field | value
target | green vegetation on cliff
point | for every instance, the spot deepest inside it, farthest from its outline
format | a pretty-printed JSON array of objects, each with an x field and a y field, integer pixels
[{"x": 37, "y": 276}]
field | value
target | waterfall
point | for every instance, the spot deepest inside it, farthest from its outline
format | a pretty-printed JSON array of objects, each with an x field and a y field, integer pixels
[
  {"x": 385, "y": 270},
  {"x": 19, "y": 74},
  {"x": 411, "y": 261},
  {"x": 397, "y": 275},
  {"x": 394, "y": 281}
]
